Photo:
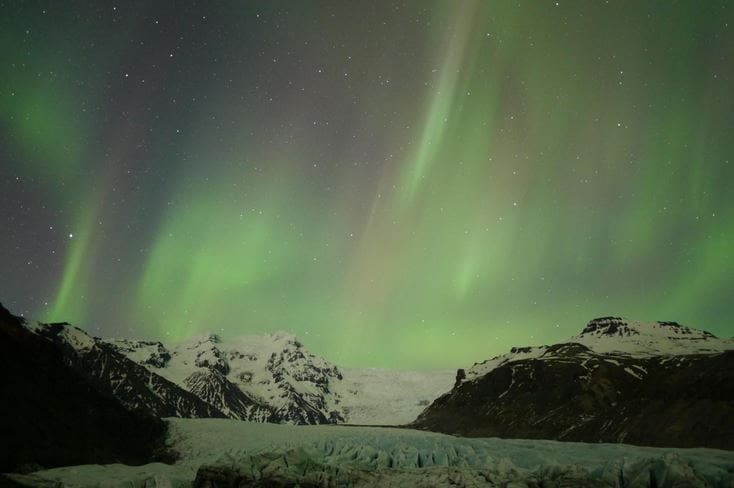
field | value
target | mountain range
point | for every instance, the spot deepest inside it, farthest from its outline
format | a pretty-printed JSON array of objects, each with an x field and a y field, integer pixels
[
  {"x": 269, "y": 378},
  {"x": 83, "y": 399}
]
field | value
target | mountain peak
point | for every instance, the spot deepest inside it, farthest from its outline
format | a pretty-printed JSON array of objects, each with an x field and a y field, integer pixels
[
  {"x": 69, "y": 334},
  {"x": 624, "y": 336},
  {"x": 285, "y": 336},
  {"x": 617, "y": 336},
  {"x": 607, "y": 326},
  {"x": 621, "y": 327}
]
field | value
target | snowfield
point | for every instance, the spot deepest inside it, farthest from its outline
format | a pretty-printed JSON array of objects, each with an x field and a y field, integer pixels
[
  {"x": 375, "y": 396},
  {"x": 223, "y": 452}
]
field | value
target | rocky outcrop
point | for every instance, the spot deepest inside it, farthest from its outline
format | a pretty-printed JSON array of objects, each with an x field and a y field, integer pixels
[{"x": 460, "y": 377}]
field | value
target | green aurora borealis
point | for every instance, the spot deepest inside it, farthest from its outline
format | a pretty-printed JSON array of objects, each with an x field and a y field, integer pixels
[{"x": 410, "y": 184}]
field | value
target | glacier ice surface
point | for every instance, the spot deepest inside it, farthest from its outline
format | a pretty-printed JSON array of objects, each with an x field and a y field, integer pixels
[{"x": 223, "y": 452}]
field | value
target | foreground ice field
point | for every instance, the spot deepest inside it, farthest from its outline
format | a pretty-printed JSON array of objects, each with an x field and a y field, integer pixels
[{"x": 215, "y": 452}]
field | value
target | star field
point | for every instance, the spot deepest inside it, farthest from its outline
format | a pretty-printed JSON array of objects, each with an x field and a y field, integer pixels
[{"x": 411, "y": 184}]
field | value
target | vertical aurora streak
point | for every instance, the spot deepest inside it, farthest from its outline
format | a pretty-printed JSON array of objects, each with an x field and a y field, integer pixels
[{"x": 421, "y": 184}]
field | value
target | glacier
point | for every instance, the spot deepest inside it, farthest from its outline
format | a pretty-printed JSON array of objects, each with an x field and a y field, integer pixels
[{"x": 224, "y": 452}]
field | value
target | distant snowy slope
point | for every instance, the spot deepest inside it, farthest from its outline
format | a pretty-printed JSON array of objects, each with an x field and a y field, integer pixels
[
  {"x": 390, "y": 397},
  {"x": 516, "y": 354}
]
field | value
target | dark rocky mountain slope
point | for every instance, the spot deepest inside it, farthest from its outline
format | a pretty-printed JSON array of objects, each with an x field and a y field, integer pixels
[
  {"x": 112, "y": 373},
  {"x": 627, "y": 393},
  {"x": 51, "y": 415}
]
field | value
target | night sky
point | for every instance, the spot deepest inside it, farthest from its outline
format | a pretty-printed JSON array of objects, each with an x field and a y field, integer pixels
[{"x": 410, "y": 184}]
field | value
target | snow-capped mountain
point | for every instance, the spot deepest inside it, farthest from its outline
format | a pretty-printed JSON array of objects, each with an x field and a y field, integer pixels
[
  {"x": 274, "y": 378},
  {"x": 269, "y": 378},
  {"x": 618, "y": 336},
  {"x": 261, "y": 378},
  {"x": 655, "y": 383}
]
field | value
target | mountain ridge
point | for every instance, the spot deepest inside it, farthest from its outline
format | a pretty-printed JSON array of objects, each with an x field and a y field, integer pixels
[
  {"x": 615, "y": 385},
  {"x": 300, "y": 387},
  {"x": 267, "y": 378},
  {"x": 616, "y": 335},
  {"x": 53, "y": 415}
]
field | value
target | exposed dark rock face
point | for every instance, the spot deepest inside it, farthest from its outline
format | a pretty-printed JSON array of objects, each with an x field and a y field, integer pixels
[
  {"x": 571, "y": 393},
  {"x": 299, "y": 407},
  {"x": 52, "y": 415},
  {"x": 609, "y": 326},
  {"x": 140, "y": 389},
  {"x": 460, "y": 376},
  {"x": 212, "y": 358},
  {"x": 135, "y": 386},
  {"x": 214, "y": 388}
]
